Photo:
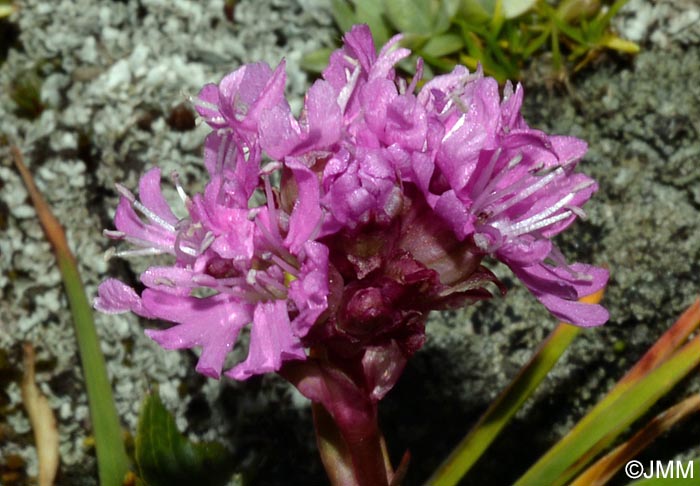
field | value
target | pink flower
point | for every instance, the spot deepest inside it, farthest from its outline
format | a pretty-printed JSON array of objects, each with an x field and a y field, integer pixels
[
  {"x": 261, "y": 265},
  {"x": 509, "y": 189},
  {"x": 389, "y": 203}
]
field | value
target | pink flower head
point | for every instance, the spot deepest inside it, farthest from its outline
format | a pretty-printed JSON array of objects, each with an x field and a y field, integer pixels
[
  {"x": 386, "y": 202},
  {"x": 509, "y": 189}
]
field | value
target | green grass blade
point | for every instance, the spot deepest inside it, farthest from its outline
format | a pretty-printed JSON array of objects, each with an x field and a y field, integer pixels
[
  {"x": 610, "y": 418},
  {"x": 470, "y": 449},
  {"x": 343, "y": 14},
  {"x": 112, "y": 461},
  {"x": 606, "y": 467}
]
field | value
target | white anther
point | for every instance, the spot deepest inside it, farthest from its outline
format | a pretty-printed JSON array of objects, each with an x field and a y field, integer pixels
[
  {"x": 164, "y": 281},
  {"x": 123, "y": 191},
  {"x": 113, "y": 234}
]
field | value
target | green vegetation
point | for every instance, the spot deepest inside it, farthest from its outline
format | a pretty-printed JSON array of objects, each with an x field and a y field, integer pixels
[{"x": 501, "y": 35}]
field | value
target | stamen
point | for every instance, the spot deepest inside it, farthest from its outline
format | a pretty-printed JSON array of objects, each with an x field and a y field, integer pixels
[
  {"x": 459, "y": 103},
  {"x": 402, "y": 86},
  {"x": 221, "y": 156},
  {"x": 251, "y": 280},
  {"x": 458, "y": 124},
  {"x": 123, "y": 191},
  {"x": 164, "y": 281},
  {"x": 252, "y": 214},
  {"x": 137, "y": 253},
  {"x": 577, "y": 211},
  {"x": 541, "y": 170},
  {"x": 284, "y": 265},
  {"x": 352, "y": 61},
  {"x": 270, "y": 167},
  {"x": 180, "y": 191},
  {"x": 204, "y": 104},
  {"x": 558, "y": 258},
  {"x": 147, "y": 244},
  {"x": 346, "y": 92},
  {"x": 481, "y": 241},
  {"x": 521, "y": 229},
  {"x": 447, "y": 107},
  {"x": 485, "y": 175},
  {"x": 180, "y": 246},
  {"x": 583, "y": 185},
  {"x": 272, "y": 211},
  {"x": 416, "y": 77},
  {"x": 187, "y": 250},
  {"x": 524, "y": 193},
  {"x": 515, "y": 161},
  {"x": 153, "y": 216},
  {"x": 206, "y": 242},
  {"x": 113, "y": 234},
  {"x": 272, "y": 285}
]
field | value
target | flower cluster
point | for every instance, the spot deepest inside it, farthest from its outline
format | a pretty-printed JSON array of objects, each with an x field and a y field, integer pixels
[{"x": 341, "y": 229}]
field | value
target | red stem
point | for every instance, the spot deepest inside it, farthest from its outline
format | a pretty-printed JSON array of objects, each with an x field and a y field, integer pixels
[
  {"x": 358, "y": 461},
  {"x": 367, "y": 456},
  {"x": 347, "y": 430}
]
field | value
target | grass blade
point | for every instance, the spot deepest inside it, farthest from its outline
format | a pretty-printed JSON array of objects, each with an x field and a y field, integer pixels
[
  {"x": 112, "y": 461},
  {"x": 653, "y": 376},
  {"x": 605, "y": 468},
  {"x": 470, "y": 449}
]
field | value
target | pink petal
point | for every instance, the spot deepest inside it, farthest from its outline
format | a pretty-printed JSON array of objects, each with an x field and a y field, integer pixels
[
  {"x": 128, "y": 222},
  {"x": 115, "y": 297},
  {"x": 305, "y": 219},
  {"x": 151, "y": 196},
  {"x": 310, "y": 291},
  {"x": 271, "y": 342},
  {"x": 212, "y": 323}
]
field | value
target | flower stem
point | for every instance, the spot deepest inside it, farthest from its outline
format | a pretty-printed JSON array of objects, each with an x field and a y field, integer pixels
[
  {"x": 351, "y": 455},
  {"x": 345, "y": 418}
]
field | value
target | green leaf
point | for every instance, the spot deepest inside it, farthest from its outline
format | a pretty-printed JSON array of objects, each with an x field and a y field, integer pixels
[
  {"x": 165, "y": 457},
  {"x": 475, "y": 12},
  {"x": 412, "y": 16},
  {"x": 515, "y": 8},
  {"x": 447, "y": 10},
  {"x": 316, "y": 61},
  {"x": 343, "y": 15},
  {"x": 509, "y": 8},
  {"x": 112, "y": 461},
  {"x": 443, "y": 45},
  {"x": 371, "y": 12}
]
